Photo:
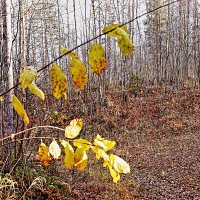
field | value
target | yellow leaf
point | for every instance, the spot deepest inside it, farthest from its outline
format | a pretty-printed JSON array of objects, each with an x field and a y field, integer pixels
[
  {"x": 78, "y": 72},
  {"x": 19, "y": 108},
  {"x": 105, "y": 163},
  {"x": 69, "y": 155},
  {"x": 44, "y": 154},
  {"x": 105, "y": 144},
  {"x": 55, "y": 112},
  {"x": 119, "y": 164},
  {"x": 71, "y": 54},
  {"x": 59, "y": 81},
  {"x": 82, "y": 143},
  {"x": 35, "y": 90},
  {"x": 27, "y": 76},
  {"x": 107, "y": 29},
  {"x": 64, "y": 143},
  {"x": 78, "y": 122},
  {"x": 115, "y": 175},
  {"x": 55, "y": 150},
  {"x": 81, "y": 159},
  {"x": 100, "y": 153},
  {"x": 1, "y": 98},
  {"x": 73, "y": 130},
  {"x": 97, "y": 60},
  {"x": 125, "y": 44}
]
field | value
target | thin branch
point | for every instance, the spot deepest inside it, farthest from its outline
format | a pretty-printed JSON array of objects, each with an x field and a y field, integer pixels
[
  {"x": 48, "y": 138},
  {"x": 36, "y": 138},
  {"x": 30, "y": 129}
]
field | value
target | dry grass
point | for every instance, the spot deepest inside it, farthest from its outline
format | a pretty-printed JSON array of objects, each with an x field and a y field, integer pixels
[{"x": 8, "y": 187}]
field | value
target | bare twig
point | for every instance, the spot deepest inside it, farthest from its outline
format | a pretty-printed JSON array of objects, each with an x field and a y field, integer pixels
[{"x": 36, "y": 127}]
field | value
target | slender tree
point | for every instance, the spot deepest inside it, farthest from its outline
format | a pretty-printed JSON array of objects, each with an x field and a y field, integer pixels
[{"x": 7, "y": 73}]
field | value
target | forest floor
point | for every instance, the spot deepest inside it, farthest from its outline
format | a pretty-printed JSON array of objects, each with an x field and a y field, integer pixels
[{"x": 157, "y": 133}]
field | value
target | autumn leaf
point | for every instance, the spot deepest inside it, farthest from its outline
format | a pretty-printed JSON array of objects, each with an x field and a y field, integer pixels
[
  {"x": 100, "y": 153},
  {"x": 82, "y": 143},
  {"x": 69, "y": 155},
  {"x": 81, "y": 159},
  {"x": 55, "y": 112},
  {"x": 71, "y": 54},
  {"x": 64, "y": 142},
  {"x": 124, "y": 42},
  {"x": 59, "y": 82},
  {"x": 97, "y": 60},
  {"x": 27, "y": 76},
  {"x": 107, "y": 163},
  {"x": 106, "y": 145},
  {"x": 77, "y": 70},
  {"x": 122, "y": 34},
  {"x": 35, "y": 90},
  {"x": 44, "y": 155},
  {"x": 73, "y": 130},
  {"x": 115, "y": 175},
  {"x": 119, "y": 164},
  {"x": 111, "y": 29},
  {"x": 55, "y": 150},
  {"x": 27, "y": 79},
  {"x": 79, "y": 73},
  {"x": 1, "y": 98},
  {"x": 19, "y": 108}
]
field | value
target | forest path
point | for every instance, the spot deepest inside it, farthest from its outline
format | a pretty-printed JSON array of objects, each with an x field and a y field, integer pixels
[{"x": 164, "y": 148}]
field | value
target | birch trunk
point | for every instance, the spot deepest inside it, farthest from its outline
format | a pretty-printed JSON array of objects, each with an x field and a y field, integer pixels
[{"x": 7, "y": 109}]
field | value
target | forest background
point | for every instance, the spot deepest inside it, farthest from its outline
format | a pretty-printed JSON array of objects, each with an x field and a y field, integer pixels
[{"x": 150, "y": 96}]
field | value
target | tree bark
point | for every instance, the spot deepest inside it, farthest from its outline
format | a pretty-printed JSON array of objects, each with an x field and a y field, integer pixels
[{"x": 7, "y": 109}]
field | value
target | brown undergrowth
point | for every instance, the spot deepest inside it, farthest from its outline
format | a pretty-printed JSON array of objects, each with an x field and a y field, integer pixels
[{"x": 157, "y": 133}]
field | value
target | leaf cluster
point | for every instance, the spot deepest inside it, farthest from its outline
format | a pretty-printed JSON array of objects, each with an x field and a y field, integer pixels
[
  {"x": 76, "y": 152},
  {"x": 77, "y": 158},
  {"x": 97, "y": 63}
]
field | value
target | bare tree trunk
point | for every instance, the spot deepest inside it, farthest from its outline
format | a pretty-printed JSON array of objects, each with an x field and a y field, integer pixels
[
  {"x": 75, "y": 24},
  {"x": 8, "y": 80}
]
